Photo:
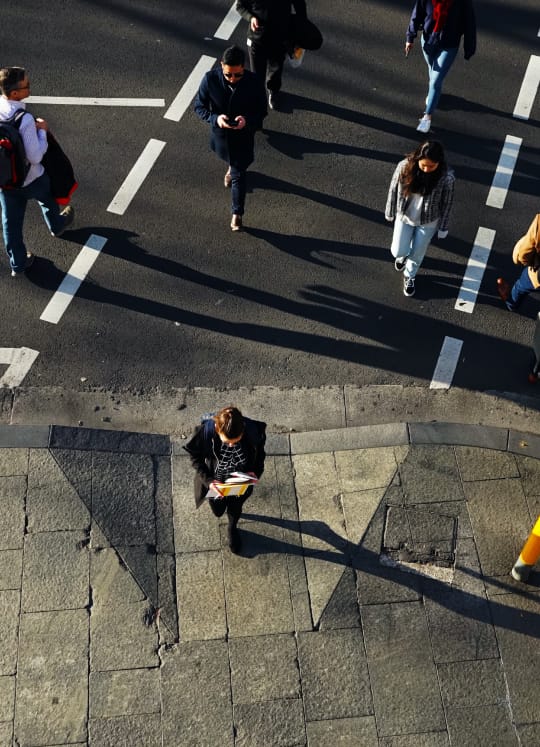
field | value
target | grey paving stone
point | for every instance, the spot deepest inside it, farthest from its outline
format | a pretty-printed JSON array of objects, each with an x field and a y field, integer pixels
[
  {"x": 485, "y": 464},
  {"x": 201, "y": 596},
  {"x": 110, "y": 580},
  {"x": 501, "y": 522},
  {"x": 195, "y": 530},
  {"x": 264, "y": 668},
  {"x": 9, "y": 626},
  {"x": 24, "y": 436},
  {"x": 342, "y": 610},
  {"x": 334, "y": 674},
  {"x": 529, "y": 735},
  {"x": 457, "y": 509},
  {"x": 429, "y": 474},
  {"x": 52, "y": 678},
  {"x": 524, "y": 443},
  {"x": 517, "y": 622},
  {"x": 196, "y": 695},
  {"x": 460, "y": 625},
  {"x": 141, "y": 562},
  {"x": 365, "y": 469},
  {"x": 77, "y": 467},
  {"x": 52, "y": 502},
  {"x": 163, "y": 504},
  {"x": 12, "y": 517},
  {"x": 257, "y": 593},
  {"x": 88, "y": 439},
  {"x": 168, "y": 618},
  {"x": 124, "y": 693},
  {"x": 10, "y": 569},
  {"x": 7, "y": 698},
  {"x": 313, "y": 472},
  {"x": 13, "y": 462},
  {"x": 55, "y": 571},
  {"x": 353, "y": 437},
  {"x": 123, "y": 497},
  {"x": 427, "y": 739},
  {"x": 279, "y": 723},
  {"x": 6, "y": 734},
  {"x": 459, "y": 433},
  {"x": 398, "y": 651},
  {"x": 343, "y": 732},
  {"x": 472, "y": 683},
  {"x": 359, "y": 509},
  {"x": 490, "y": 724},
  {"x": 467, "y": 574},
  {"x": 119, "y": 638},
  {"x": 529, "y": 471},
  {"x": 126, "y": 731},
  {"x": 277, "y": 444}
]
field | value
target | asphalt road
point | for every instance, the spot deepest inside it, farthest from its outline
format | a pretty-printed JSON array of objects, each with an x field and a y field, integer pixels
[{"x": 307, "y": 295}]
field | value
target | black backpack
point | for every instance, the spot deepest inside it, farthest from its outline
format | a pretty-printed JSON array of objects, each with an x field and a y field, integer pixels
[{"x": 13, "y": 164}]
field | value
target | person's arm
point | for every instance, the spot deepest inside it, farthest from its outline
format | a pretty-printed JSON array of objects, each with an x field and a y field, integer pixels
[
  {"x": 203, "y": 103},
  {"x": 245, "y": 9},
  {"x": 391, "y": 200},
  {"x": 469, "y": 30},
  {"x": 527, "y": 249},
  {"x": 447, "y": 198},
  {"x": 416, "y": 21},
  {"x": 260, "y": 455},
  {"x": 196, "y": 448},
  {"x": 34, "y": 139}
]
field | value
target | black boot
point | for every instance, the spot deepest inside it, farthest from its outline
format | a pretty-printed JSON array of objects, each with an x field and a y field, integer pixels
[{"x": 235, "y": 541}]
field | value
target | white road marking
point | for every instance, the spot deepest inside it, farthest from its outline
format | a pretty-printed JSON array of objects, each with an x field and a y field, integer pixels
[
  {"x": 475, "y": 270},
  {"x": 89, "y": 101},
  {"x": 529, "y": 88},
  {"x": 185, "y": 95},
  {"x": 72, "y": 281},
  {"x": 446, "y": 365},
  {"x": 136, "y": 177},
  {"x": 19, "y": 362},
  {"x": 503, "y": 174},
  {"x": 229, "y": 23}
]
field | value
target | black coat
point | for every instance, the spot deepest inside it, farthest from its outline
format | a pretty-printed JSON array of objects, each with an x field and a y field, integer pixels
[
  {"x": 274, "y": 17},
  {"x": 247, "y": 99},
  {"x": 205, "y": 448}
]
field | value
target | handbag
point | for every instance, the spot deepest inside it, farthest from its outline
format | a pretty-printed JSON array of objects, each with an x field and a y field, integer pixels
[{"x": 59, "y": 170}]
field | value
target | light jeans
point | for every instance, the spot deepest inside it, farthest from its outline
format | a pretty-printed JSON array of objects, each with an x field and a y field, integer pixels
[
  {"x": 411, "y": 242},
  {"x": 438, "y": 66}
]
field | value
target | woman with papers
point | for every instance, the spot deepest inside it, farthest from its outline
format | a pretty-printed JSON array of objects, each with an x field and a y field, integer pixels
[{"x": 227, "y": 452}]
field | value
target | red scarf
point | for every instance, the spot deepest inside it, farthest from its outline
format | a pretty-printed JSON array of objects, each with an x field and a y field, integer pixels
[{"x": 440, "y": 13}]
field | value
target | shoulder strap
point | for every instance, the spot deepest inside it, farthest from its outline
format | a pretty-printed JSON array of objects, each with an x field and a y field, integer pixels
[{"x": 16, "y": 118}]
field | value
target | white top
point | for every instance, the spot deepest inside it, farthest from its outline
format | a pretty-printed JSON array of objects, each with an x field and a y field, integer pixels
[{"x": 34, "y": 140}]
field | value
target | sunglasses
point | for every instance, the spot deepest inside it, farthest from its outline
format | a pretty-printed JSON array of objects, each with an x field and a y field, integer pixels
[{"x": 233, "y": 75}]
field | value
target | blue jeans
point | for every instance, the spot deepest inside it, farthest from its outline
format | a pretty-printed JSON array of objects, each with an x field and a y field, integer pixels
[
  {"x": 411, "y": 242},
  {"x": 438, "y": 65},
  {"x": 13, "y": 202},
  {"x": 520, "y": 289},
  {"x": 238, "y": 191}
]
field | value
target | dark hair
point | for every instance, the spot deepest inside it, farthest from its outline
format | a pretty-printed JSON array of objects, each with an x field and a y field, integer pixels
[
  {"x": 415, "y": 181},
  {"x": 229, "y": 422},
  {"x": 233, "y": 56},
  {"x": 10, "y": 77}
]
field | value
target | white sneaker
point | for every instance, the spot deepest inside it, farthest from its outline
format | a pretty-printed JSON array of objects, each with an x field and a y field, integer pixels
[
  {"x": 408, "y": 287},
  {"x": 424, "y": 125}
]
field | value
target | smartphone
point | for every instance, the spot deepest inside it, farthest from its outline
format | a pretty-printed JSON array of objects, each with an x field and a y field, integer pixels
[{"x": 231, "y": 122}]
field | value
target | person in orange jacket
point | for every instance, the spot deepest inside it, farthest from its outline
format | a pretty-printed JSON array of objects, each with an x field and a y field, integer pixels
[{"x": 526, "y": 252}]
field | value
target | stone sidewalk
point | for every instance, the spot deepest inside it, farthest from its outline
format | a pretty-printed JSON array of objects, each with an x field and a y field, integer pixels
[{"x": 372, "y": 604}]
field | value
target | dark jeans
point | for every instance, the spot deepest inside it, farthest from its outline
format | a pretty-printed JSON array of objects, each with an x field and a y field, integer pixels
[
  {"x": 238, "y": 191},
  {"x": 521, "y": 288},
  {"x": 232, "y": 504},
  {"x": 266, "y": 61}
]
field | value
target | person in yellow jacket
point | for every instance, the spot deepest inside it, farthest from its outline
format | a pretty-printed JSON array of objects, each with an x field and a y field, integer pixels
[{"x": 526, "y": 252}]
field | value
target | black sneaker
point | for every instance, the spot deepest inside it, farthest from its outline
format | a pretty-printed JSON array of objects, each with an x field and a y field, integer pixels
[
  {"x": 408, "y": 286},
  {"x": 235, "y": 541},
  {"x": 29, "y": 262},
  {"x": 68, "y": 213},
  {"x": 399, "y": 263}
]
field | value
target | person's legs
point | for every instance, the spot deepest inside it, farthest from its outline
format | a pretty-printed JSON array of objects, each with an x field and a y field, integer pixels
[
  {"x": 438, "y": 67},
  {"x": 274, "y": 68},
  {"x": 521, "y": 288},
  {"x": 13, "y": 202},
  {"x": 238, "y": 191},
  {"x": 422, "y": 235},
  {"x": 40, "y": 190},
  {"x": 258, "y": 60},
  {"x": 401, "y": 238},
  {"x": 234, "y": 511}
]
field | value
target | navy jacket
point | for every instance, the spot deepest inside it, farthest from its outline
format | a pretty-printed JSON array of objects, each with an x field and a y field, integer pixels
[
  {"x": 248, "y": 99},
  {"x": 461, "y": 21}
]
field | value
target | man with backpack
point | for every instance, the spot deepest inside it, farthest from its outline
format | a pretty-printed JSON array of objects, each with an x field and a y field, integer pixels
[{"x": 23, "y": 143}]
